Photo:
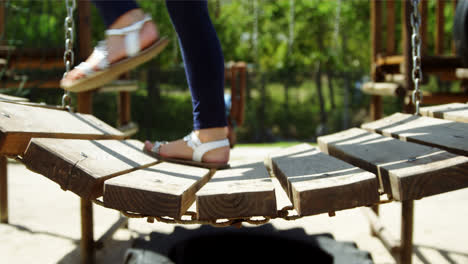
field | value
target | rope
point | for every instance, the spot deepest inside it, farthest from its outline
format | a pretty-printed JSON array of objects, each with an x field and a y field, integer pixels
[{"x": 189, "y": 218}]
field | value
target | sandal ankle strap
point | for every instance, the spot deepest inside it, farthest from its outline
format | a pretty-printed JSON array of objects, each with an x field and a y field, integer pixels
[
  {"x": 132, "y": 36},
  {"x": 199, "y": 148}
]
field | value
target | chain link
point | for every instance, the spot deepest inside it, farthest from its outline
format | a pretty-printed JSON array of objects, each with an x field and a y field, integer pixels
[
  {"x": 69, "y": 55},
  {"x": 416, "y": 54}
]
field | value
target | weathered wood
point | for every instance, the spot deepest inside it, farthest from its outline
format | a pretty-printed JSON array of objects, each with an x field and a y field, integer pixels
[
  {"x": 456, "y": 112},
  {"x": 383, "y": 89},
  {"x": 5, "y": 97},
  {"x": 407, "y": 170},
  {"x": 444, "y": 134},
  {"x": 19, "y": 123},
  {"x": 82, "y": 166},
  {"x": 166, "y": 189},
  {"x": 317, "y": 183},
  {"x": 245, "y": 190}
]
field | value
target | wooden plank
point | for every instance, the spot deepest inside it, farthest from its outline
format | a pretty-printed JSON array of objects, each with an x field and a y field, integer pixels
[
  {"x": 443, "y": 98},
  {"x": 19, "y": 123},
  {"x": 434, "y": 132},
  {"x": 407, "y": 170},
  {"x": 317, "y": 183},
  {"x": 383, "y": 89},
  {"x": 245, "y": 190},
  {"x": 456, "y": 112},
  {"x": 166, "y": 189},
  {"x": 82, "y": 166},
  {"x": 119, "y": 86},
  {"x": 5, "y": 97}
]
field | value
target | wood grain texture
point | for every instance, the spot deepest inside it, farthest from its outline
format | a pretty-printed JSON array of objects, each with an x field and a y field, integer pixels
[
  {"x": 456, "y": 112},
  {"x": 244, "y": 190},
  {"x": 19, "y": 123},
  {"x": 444, "y": 134},
  {"x": 82, "y": 166},
  {"x": 317, "y": 183},
  {"x": 407, "y": 170},
  {"x": 165, "y": 189}
]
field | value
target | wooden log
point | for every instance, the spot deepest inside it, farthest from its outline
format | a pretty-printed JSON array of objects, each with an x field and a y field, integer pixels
[
  {"x": 434, "y": 132},
  {"x": 82, "y": 166},
  {"x": 317, "y": 183},
  {"x": 443, "y": 98},
  {"x": 166, "y": 189},
  {"x": 245, "y": 190},
  {"x": 456, "y": 112},
  {"x": 407, "y": 170},
  {"x": 383, "y": 89},
  {"x": 19, "y": 123}
]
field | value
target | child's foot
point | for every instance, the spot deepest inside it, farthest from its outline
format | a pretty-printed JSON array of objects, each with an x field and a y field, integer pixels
[
  {"x": 180, "y": 150},
  {"x": 116, "y": 45}
]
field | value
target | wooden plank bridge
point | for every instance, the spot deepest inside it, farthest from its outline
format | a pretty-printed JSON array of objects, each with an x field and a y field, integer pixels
[{"x": 399, "y": 158}]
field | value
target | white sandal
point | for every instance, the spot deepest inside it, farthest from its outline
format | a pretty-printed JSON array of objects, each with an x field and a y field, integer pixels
[
  {"x": 199, "y": 149},
  {"x": 107, "y": 72}
]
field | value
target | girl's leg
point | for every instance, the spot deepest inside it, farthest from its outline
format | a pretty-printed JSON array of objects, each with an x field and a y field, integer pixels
[
  {"x": 203, "y": 59},
  {"x": 119, "y": 14},
  {"x": 204, "y": 67}
]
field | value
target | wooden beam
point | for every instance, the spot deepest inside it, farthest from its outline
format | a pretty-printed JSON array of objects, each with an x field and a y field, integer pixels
[
  {"x": 407, "y": 171},
  {"x": 444, "y": 134},
  {"x": 82, "y": 166},
  {"x": 317, "y": 183},
  {"x": 20, "y": 123},
  {"x": 456, "y": 112},
  {"x": 165, "y": 189},
  {"x": 244, "y": 190}
]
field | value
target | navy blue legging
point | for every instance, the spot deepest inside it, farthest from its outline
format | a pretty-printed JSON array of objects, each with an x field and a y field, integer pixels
[{"x": 201, "y": 52}]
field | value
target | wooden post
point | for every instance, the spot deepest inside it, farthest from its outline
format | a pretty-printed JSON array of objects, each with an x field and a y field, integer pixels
[
  {"x": 423, "y": 29},
  {"x": 390, "y": 46},
  {"x": 242, "y": 66},
  {"x": 124, "y": 108},
  {"x": 88, "y": 254},
  {"x": 376, "y": 35},
  {"x": 407, "y": 53},
  {"x": 454, "y": 49},
  {"x": 407, "y": 217},
  {"x": 376, "y": 107},
  {"x": 3, "y": 190},
  {"x": 439, "y": 41}
]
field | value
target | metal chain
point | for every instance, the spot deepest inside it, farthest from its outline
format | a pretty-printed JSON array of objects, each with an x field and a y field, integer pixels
[
  {"x": 68, "y": 56},
  {"x": 417, "y": 95}
]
